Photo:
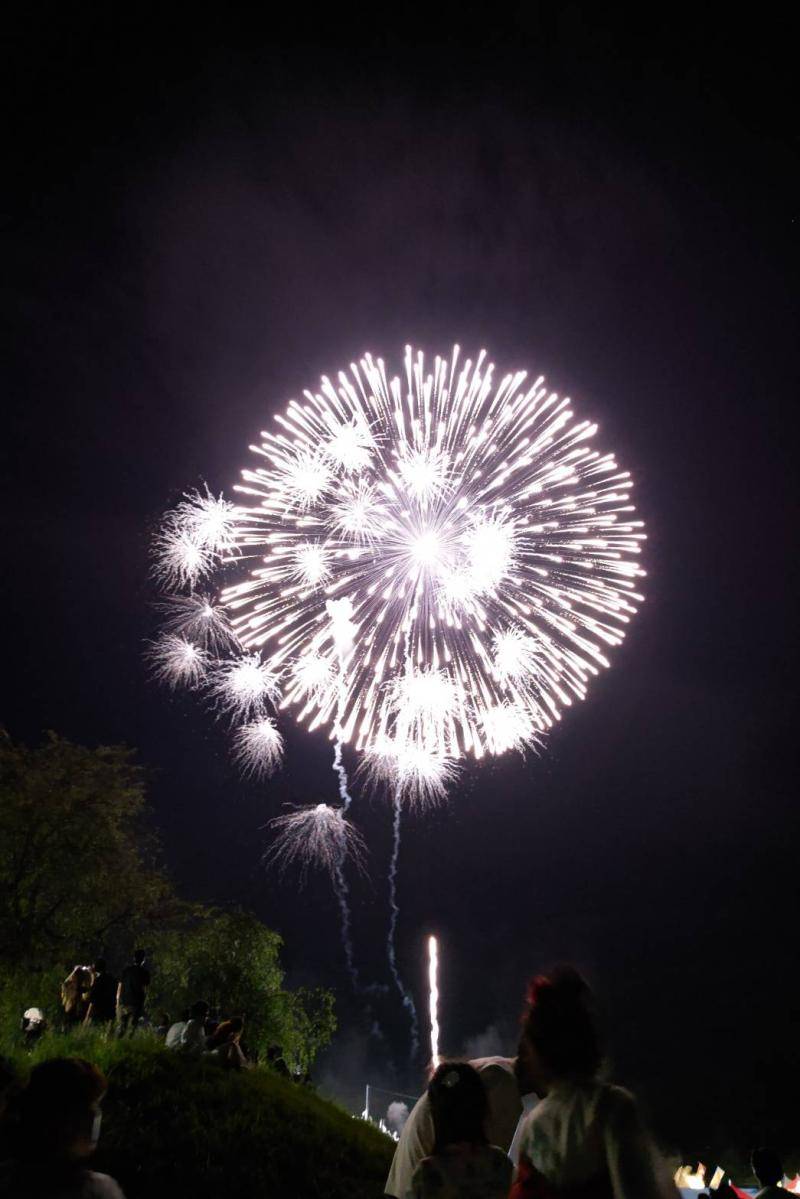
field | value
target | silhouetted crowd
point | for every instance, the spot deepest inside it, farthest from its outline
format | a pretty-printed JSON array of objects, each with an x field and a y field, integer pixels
[
  {"x": 92, "y": 997},
  {"x": 540, "y": 1125}
]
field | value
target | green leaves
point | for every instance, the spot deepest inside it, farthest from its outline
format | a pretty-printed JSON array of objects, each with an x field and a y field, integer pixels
[{"x": 78, "y": 864}]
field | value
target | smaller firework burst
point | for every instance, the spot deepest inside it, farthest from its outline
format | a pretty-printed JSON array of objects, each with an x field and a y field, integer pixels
[
  {"x": 316, "y": 836},
  {"x": 242, "y": 687},
  {"x": 194, "y": 536},
  {"x": 414, "y": 773},
  {"x": 258, "y": 748},
  {"x": 508, "y": 726},
  {"x": 197, "y": 618},
  {"x": 178, "y": 662},
  {"x": 178, "y": 560}
]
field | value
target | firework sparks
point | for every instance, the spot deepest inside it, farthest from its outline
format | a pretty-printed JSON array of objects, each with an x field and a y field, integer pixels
[
  {"x": 433, "y": 1003},
  {"x": 209, "y": 520},
  {"x": 258, "y": 747},
  {"x": 488, "y": 552},
  {"x": 198, "y": 619},
  {"x": 318, "y": 835},
  {"x": 178, "y": 662},
  {"x": 433, "y": 566},
  {"x": 194, "y": 536},
  {"x": 179, "y": 560},
  {"x": 415, "y": 773},
  {"x": 242, "y": 687}
]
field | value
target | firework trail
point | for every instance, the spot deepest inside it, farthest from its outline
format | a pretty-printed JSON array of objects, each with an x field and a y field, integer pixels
[
  {"x": 408, "y": 1001},
  {"x": 342, "y": 892},
  {"x": 433, "y": 1001}
]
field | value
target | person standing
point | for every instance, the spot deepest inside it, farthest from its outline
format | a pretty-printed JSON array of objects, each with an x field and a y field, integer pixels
[
  {"x": 75, "y": 995},
  {"x": 132, "y": 993},
  {"x": 102, "y": 997},
  {"x": 584, "y": 1136},
  {"x": 463, "y": 1164},
  {"x": 504, "y": 1084},
  {"x": 768, "y": 1169}
]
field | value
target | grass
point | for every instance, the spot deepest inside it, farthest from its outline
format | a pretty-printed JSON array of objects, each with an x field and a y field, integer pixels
[{"x": 177, "y": 1125}]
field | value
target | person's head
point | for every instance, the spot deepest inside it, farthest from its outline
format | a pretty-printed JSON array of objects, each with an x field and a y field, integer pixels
[
  {"x": 138, "y": 956},
  {"x": 767, "y": 1167},
  {"x": 559, "y": 1034},
  {"x": 60, "y": 1110},
  {"x": 198, "y": 1010},
  {"x": 163, "y": 1019},
  {"x": 228, "y": 1031},
  {"x": 100, "y": 966},
  {"x": 458, "y": 1105}
]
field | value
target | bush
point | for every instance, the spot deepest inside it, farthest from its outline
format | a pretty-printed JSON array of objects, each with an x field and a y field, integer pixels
[{"x": 178, "y": 1125}]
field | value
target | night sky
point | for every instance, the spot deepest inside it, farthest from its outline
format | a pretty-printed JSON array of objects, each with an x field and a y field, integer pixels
[{"x": 203, "y": 215}]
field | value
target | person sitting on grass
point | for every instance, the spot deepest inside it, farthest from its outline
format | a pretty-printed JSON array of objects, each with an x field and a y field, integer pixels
[
  {"x": 176, "y": 1030},
  {"x": 193, "y": 1036},
  {"x": 224, "y": 1044},
  {"x": 56, "y": 1127},
  {"x": 463, "y": 1163},
  {"x": 768, "y": 1169}
]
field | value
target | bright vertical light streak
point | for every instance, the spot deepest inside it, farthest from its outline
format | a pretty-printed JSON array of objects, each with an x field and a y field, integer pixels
[{"x": 433, "y": 990}]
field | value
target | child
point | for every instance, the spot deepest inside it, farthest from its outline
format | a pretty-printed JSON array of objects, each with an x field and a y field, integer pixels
[{"x": 463, "y": 1164}]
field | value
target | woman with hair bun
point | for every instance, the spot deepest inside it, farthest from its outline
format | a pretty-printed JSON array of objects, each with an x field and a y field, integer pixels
[{"x": 585, "y": 1138}]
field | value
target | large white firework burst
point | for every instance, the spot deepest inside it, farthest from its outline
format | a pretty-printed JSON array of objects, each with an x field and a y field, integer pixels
[{"x": 483, "y": 551}]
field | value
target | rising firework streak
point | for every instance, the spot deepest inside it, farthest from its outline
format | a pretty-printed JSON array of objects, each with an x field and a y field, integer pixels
[{"x": 433, "y": 989}]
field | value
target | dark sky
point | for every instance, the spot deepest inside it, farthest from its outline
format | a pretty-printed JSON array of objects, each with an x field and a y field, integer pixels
[{"x": 204, "y": 214}]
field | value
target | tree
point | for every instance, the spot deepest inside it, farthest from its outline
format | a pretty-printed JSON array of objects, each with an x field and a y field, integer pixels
[
  {"x": 309, "y": 1023},
  {"x": 78, "y": 866},
  {"x": 231, "y": 960},
  {"x": 80, "y": 873}
]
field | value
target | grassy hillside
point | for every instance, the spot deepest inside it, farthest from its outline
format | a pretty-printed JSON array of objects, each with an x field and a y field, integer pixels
[{"x": 176, "y": 1126}]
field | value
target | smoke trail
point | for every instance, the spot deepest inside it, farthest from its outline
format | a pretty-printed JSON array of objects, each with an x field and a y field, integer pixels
[
  {"x": 408, "y": 1001},
  {"x": 343, "y": 895},
  {"x": 341, "y": 771}
]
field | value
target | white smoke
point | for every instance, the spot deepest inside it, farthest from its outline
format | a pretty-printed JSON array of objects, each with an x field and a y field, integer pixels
[
  {"x": 488, "y": 1043},
  {"x": 396, "y": 1116}
]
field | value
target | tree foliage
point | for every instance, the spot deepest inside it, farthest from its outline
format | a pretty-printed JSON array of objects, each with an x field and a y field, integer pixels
[
  {"x": 78, "y": 864},
  {"x": 80, "y": 875},
  {"x": 232, "y": 960}
]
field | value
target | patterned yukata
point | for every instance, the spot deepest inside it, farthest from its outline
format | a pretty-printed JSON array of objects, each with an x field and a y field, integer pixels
[
  {"x": 463, "y": 1172},
  {"x": 586, "y": 1140}
]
